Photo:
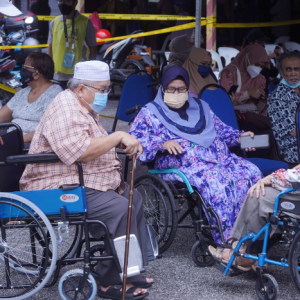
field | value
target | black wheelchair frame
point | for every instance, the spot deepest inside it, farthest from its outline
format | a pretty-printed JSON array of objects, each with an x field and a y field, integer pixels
[{"x": 44, "y": 238}]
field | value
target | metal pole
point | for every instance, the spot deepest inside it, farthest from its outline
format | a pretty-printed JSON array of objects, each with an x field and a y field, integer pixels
[
  {"x": 198, "y": 24},
  {"x": 211, "y": 30}
]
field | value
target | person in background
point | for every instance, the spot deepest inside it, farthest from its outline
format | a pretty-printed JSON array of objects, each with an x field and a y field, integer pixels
[
  {"x": 181, "y": 132},
  {"x": 199, "y": 67},
  {"x": 42, "y": 8},
  {"x": 70, "y": 36},
  {"x": 166, "y": 7},
  {"x": 27, "y": 106},
  {"x": 243, "y": 80},
  {"x": 180, "y": 48},
  {"x": 282, "y": 106},
  {"x": 256, "y": 36}
]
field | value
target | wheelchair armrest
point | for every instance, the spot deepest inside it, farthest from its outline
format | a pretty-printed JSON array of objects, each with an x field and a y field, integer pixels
[{"x": 32, "y": 158}]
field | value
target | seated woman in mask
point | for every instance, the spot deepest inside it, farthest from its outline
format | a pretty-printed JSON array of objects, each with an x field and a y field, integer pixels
[
  {"x": 179, "y": 131},
  {"x": 28, "y": 105},
  {"x": 242, "y": 79},
  {"x": 198, "y": 66}
]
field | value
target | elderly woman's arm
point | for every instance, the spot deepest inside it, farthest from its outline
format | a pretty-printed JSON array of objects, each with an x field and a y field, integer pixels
[
  {"x": 228, "y": 134},
  {"x": 5, "y": 116},
  {"x": 145, "y": 129}
]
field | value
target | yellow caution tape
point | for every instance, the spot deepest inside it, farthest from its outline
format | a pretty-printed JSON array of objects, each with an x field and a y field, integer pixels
[
  {"x": 154, "y": 32},
  {"x": 250, "y": 25},
  {"x": 24, "y": 46},
  {"x": 7, "y": 88},
  {"x": 132, "y": 17}
]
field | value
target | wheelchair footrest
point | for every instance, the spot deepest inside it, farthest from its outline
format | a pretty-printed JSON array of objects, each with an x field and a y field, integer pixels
[{"x": 231, "y": 272}]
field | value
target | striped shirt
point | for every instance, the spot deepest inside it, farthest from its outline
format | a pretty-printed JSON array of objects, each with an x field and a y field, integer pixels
[{"x": 66, "y": 128}]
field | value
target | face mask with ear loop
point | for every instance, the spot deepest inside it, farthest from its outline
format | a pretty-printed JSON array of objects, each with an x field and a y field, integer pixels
[
  {"x": 253, "y": 71},
  {"x": 175, "y": 101}
]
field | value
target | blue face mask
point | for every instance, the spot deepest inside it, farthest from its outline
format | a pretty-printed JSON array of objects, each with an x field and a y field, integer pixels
[
  {"x": 204, "y": 71},
  {"x": 293, "y": 86},
  {"x": 100, "y": 101}
]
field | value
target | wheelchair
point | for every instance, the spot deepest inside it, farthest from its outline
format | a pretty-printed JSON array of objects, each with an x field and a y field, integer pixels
[
  {"x": 172, "y": 205},
  {"x": 164, "y": 200},
  {"x": 43, "y": 231}
]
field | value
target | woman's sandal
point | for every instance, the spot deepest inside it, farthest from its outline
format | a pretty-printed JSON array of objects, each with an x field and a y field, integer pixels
[
  {"x": 240, "y": 263},
  {"x": 114, "y": 292},
  {"x": 142, "y": 283}
]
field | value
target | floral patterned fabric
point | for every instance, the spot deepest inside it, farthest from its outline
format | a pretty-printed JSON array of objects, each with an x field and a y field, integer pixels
[
  {"x": 221, "y": 177},
  {"x": 282, "y": 179}
]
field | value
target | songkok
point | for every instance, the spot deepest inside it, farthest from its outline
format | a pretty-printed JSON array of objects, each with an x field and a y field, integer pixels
[{"x": 93, "y": 70}]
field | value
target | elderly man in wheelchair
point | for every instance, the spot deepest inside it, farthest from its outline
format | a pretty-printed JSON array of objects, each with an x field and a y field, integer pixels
[{"x": 70, "y": 128}]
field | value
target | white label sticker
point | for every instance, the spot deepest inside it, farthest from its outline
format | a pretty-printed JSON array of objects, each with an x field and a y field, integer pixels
[
  {"x": 287, "y": 205},
  {"x": 69, "y": 198}
]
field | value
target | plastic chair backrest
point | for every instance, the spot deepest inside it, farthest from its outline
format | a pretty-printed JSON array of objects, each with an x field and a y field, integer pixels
[
  {"x": 282, "y": 39},
  {"x": 216, "y": 57},
  {"x": 13, "y": 145},
  {"x": 228, "y": 54},
  {"x": 273, "y": 85},
  {"x": 134, "y": 92},
  {"x": 220, "y": 103},
  {"x": 271, "y": 47},
  {"x": 291, "y": 46}
]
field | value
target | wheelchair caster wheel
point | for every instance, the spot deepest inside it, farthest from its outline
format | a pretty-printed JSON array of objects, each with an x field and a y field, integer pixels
[
  {"x": 96, "y": 251},
  {"x": 269, "y": 291},
  {"x": 201, "y": 256},
  {"x": 69, "y": 288}
]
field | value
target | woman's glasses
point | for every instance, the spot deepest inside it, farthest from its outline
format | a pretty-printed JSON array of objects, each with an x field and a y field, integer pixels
[
  {"x": 24, "y": 67},
  {"x": 172, "y": 90}
]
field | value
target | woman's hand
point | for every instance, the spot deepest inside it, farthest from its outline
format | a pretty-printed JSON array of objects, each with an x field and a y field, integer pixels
[
  {"x": 1, "y": 141},
  {"x": 260, "y": 186},
  {"x": 247, "y": 133},
  {"x": 172, "y": 147},
  {"x": 256, "y": 94}
]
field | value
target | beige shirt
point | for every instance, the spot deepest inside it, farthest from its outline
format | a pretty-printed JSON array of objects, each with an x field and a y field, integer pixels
[{"x": 66, "y": 129}]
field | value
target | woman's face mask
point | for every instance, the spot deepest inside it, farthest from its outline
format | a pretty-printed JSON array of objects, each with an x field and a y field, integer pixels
[
  {"x": 204, "y": 71},
  {"x": 176, "y": 101},
  {"x": 253, "y": 71},
  {"x": 26, "y": 76}
]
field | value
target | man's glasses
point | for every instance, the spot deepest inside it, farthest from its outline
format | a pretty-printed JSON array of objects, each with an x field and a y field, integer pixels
[
  {"x": 101, "y": 90},
  {"x": 172, "y": 90},
  {"x": 24, "y": 67}
]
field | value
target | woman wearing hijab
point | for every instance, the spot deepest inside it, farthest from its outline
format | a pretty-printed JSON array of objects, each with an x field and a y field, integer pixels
[
  {"x": 198, "y": 66},
  {"x": 179, "y": 131},
  {"x": 180, "y": 48},
  {"x": 246, "y": 86}
]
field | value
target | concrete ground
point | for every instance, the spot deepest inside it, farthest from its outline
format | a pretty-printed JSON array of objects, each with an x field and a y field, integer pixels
[{"x": 178, "y": 278}]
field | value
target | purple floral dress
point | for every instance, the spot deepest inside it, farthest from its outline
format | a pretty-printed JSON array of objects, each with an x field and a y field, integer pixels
[{"x": 221, "y": 177}]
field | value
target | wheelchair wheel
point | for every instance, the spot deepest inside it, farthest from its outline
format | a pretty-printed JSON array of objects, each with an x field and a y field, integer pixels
[
  {"x": 69, "y": 286},
  {"x": 270, "y": 289},
  {"x": 294, "y": 261},
  {"x": 201, "y": 256},
  {"x": 28, "y": 248},
  {"x": 159, "y": 208}
]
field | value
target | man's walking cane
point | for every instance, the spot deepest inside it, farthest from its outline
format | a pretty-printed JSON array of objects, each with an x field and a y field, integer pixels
[{"x": 133, "y": 162}]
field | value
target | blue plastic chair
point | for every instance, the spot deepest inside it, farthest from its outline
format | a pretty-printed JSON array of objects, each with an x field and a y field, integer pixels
[
  {"x": 220, "y": 103},
  {"x": 135, "y": 93},
  {"x": 273, "y": 85}
]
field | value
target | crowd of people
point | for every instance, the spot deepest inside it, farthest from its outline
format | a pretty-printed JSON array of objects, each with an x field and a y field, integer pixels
[{"x": 176, "y": 130}]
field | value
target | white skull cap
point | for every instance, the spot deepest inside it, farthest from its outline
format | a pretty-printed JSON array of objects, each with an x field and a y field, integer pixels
[{"x": 93, "y": 70}]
